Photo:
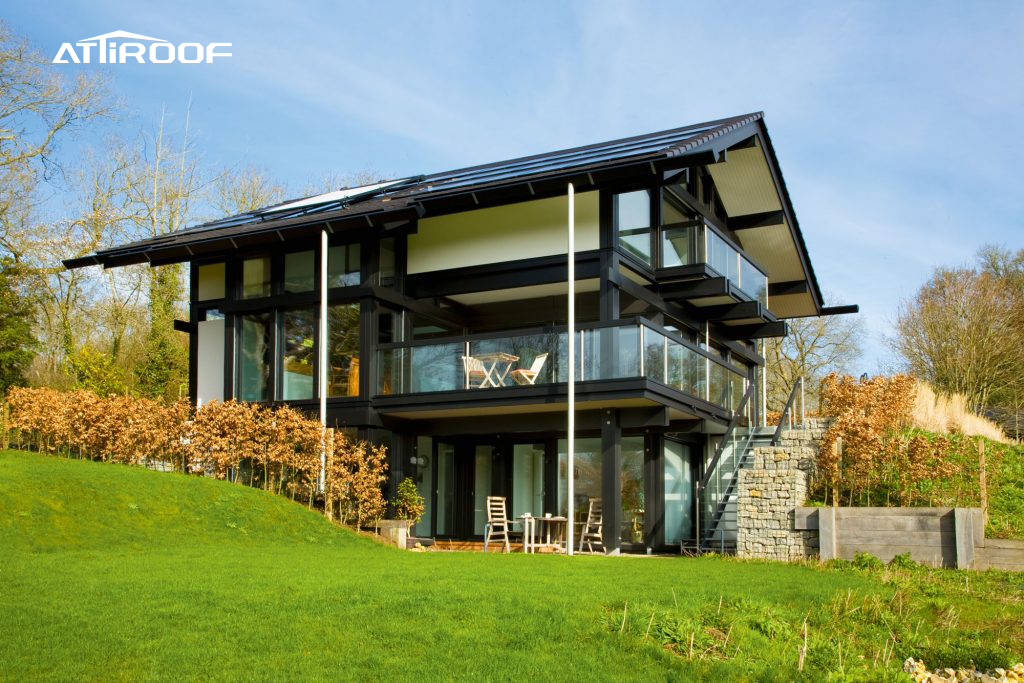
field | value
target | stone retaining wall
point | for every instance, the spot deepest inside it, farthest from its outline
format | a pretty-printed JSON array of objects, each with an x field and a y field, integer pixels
[{"x": 773, "y": 524}]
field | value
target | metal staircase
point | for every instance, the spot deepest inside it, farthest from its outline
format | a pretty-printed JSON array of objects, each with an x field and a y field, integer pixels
[
  {"x": 720, "y": 497},
  {"x": 718, "y": 488}
]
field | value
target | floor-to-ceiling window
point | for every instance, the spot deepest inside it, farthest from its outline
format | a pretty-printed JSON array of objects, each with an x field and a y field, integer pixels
[
  {"x": 343, "y": 350},
  {"x": 633, "y": 495},
  {"x": 424, "y": 477},
  {"x": 587, "y": 482},
  {"x": 253, "y": 353},
  {"x": 528, "y": 479},
  {"x": 482, "y": 466},
  {"x": 445, "y": 511},
  {"x": 298, "y": 355},
  {"x": 678, "y": 493},
  {"x": 587, "y": 479}
]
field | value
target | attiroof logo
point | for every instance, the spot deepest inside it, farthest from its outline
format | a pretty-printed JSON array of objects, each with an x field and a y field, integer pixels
[{"x": 106, "y": 50}]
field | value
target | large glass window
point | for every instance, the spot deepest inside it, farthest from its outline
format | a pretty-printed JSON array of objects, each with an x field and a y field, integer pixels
[
  {"x": 587, "y": 482},
  {"x": 424, "y": 476},
  {"x": 256, "y": 277},
  {"x": 680, "y": 231},
  {"x": 632, "y": 212},
  {"x": 299, "y": 272},
  {"x": 528, "y": 479},
  {"x": 389, "y": 325},
  {"x": 343, "y": 266},
  {"x": 254, "y": 345},
  {"x": 445, "y": 489},
  {"x": 633, "y": 507},
  {"x": 343, "y": 350},
  {"x": 678, "y": 493},
  {"x": 483, "y": 461},
  {"x": 298, "y": 354}
]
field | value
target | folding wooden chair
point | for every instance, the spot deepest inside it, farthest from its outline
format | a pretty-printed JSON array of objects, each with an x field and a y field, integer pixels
[
  {"x": 592, "y": 527},
  {"x": 497, "y": 522},
  {"x": 529, "y": 376}
]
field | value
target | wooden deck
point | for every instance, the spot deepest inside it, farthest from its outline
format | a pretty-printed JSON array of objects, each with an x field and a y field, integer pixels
[{"x": 478, "y": 547}]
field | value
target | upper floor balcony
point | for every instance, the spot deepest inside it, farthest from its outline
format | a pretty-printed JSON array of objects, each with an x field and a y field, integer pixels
[
  {"x": 662, "y": 232},
  {"x": 498, "y": 363}
]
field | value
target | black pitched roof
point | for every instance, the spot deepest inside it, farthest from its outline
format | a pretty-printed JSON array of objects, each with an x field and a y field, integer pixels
[{"x": 408, "y": 195}]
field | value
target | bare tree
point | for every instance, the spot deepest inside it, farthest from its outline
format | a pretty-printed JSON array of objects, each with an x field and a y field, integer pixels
[
  {"x": 813, "y": 348},
  {"x": 245, "y": 189},
  {"x": 38, "y": 108},
  {"x": 963, "y": 332}
]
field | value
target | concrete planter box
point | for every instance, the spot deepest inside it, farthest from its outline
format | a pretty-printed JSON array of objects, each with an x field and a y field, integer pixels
[{"x": 395, "y": 531}]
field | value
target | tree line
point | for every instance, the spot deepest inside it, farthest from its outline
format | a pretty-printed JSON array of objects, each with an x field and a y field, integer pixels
[{"x": 78, "y": 174}]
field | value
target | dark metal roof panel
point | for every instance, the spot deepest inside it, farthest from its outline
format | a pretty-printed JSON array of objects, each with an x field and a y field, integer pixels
[{"x": 406, "y": 194}]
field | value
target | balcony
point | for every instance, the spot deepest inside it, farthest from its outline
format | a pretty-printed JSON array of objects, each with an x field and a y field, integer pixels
[
  {"x": 669, "y": 237},
  {"x": 637, "y": 349}
]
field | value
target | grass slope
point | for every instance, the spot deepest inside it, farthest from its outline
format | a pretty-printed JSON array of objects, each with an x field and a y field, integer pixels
[{"x": 114, "y": 573}]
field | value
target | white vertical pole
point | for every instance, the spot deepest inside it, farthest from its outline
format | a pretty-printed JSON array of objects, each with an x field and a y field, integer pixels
[
  {"x": 764, "y": 385},
  {"x": 571, "y": 493},
  {"x": 322, "y": 360}
]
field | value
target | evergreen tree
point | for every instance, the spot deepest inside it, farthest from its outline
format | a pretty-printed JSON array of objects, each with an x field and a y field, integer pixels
[{"x": 17, "y": 345}]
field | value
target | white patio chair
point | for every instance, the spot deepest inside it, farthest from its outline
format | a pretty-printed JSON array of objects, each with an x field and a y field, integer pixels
[
  {"x": 497, "y": 523},
  {"x": 592, "y": 527},
  {"x": 524, "y": 376}
]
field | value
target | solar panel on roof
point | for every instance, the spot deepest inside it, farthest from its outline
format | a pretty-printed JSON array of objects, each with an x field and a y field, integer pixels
[{"x": 336, "y": 196}]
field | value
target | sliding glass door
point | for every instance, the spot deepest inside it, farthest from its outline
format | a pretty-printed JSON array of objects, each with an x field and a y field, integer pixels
[{"x": 678, "y": 493}]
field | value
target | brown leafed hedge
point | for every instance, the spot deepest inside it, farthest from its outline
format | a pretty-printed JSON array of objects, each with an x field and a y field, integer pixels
[{"x": 278, "y": 449}]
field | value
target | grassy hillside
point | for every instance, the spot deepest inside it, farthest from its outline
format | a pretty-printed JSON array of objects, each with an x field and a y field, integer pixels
[{"x": 115, "y": 573}]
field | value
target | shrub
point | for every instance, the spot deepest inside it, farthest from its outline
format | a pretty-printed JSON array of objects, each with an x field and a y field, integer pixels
[
  {"x": 278, "y": 449},
  {"x": 408, "y": 503},
  {"x": 354, "y": 475},
  {"x": 867, "y": 561},
  {"x": 902, "y": 561}
]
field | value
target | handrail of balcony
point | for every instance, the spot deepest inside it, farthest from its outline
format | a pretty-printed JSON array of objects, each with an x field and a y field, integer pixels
[{"x": 552, "y": 329}]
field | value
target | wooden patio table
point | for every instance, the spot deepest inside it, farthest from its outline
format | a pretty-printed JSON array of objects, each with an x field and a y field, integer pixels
[
  {"x": 497, "y": 365},
  {"x": 545, "y": 528}
]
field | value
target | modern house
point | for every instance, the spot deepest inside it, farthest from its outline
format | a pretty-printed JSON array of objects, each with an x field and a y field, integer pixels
[{"x": 430, "y": 314}]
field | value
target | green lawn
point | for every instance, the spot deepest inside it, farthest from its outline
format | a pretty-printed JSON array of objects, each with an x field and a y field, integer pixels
[{"x": 116, "y": 573}]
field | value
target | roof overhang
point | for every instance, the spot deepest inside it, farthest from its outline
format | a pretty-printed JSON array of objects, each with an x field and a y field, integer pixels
[{"x": 737, "y": 151}]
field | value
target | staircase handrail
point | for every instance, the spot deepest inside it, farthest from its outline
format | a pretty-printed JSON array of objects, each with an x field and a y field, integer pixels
[
  {"x": 730, "y": 428},
  {"x": 787, "y": 411}
]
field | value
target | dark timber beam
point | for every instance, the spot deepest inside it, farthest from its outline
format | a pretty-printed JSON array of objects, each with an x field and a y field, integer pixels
[
  {"x": 737, "y": 311},
  {"x": 790, "y": 287},
  {"x": 695, "y": 289},
  {"x": 611, "y": 482},
  {"x": 756, "y": 331},
  {"x": 756, "y": 220},
  {"x": 840, "y": 310}
]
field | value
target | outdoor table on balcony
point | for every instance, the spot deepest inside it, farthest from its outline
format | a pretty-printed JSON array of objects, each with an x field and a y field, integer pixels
[{"x": 496, "y": 367}]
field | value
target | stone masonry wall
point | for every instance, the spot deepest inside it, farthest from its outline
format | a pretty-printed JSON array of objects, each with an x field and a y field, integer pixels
[{"x": 771, "y": 490}]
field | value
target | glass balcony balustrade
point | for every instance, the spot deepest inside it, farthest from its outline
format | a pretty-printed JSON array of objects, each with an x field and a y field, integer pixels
[
  {"x": 635, "y": 349},
  {"x": 693, "y": 242}
]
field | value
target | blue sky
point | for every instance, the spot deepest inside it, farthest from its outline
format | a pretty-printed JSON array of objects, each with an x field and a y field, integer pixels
[{"x": 897, "y": 124}]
